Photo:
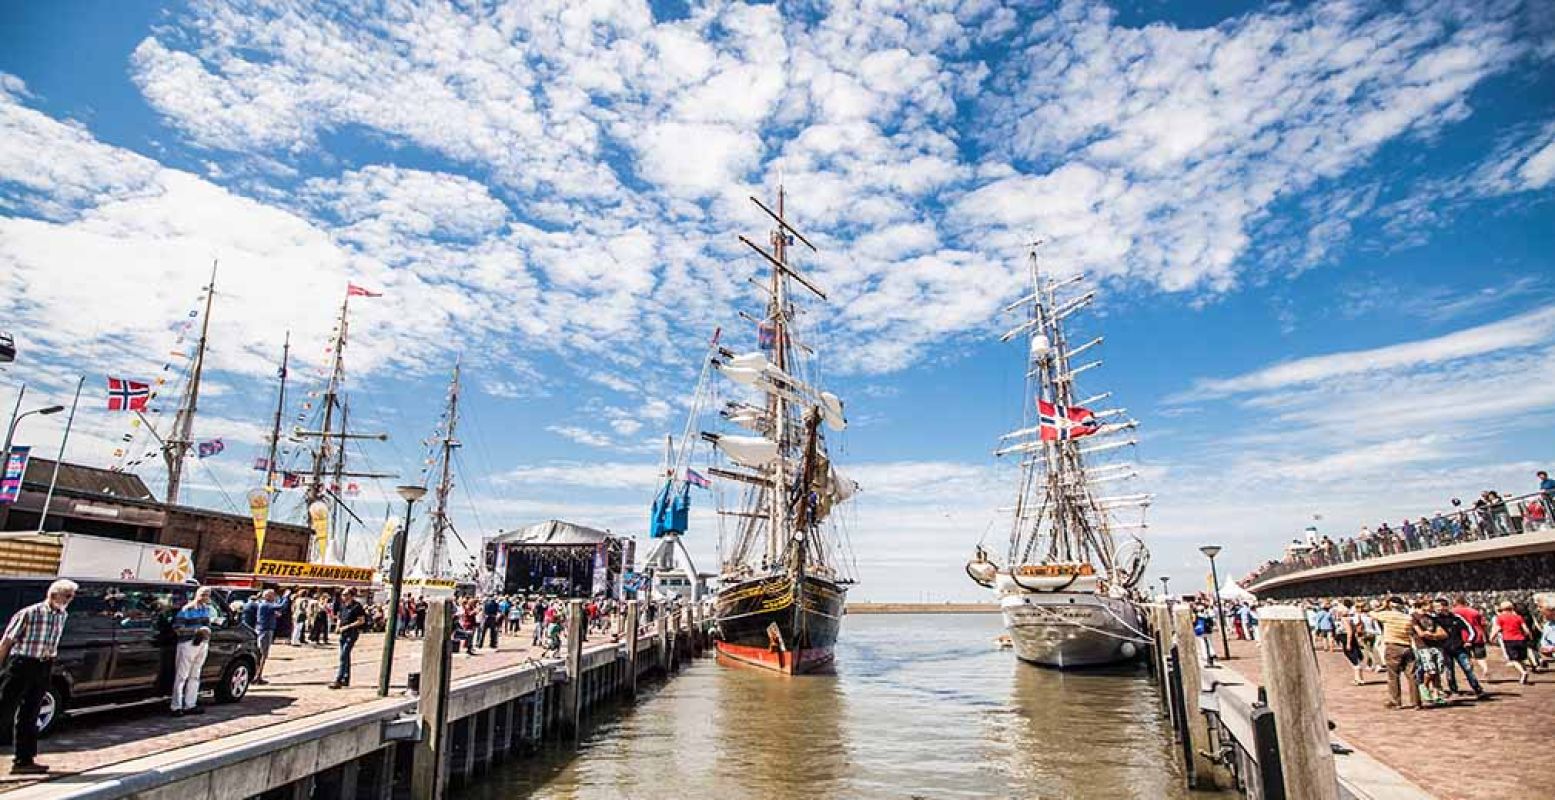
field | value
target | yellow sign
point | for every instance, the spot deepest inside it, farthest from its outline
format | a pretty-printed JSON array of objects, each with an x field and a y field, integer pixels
[
  {"x": 391, "y": 526},
  {"x": 317, "y": 572},
  {"x": 433, "y": 583}
]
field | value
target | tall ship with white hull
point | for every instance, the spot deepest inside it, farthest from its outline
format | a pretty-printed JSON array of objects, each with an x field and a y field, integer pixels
[
  {"x": 782, "y": 572},
  {"x": 1068, "y": 583}
]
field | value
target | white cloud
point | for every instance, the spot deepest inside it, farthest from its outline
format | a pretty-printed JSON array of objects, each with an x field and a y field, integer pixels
[{"x": 1522, "y": 330}]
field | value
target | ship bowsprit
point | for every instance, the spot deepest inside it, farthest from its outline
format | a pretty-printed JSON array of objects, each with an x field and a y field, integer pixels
[{"x": 1066, "y": 630}]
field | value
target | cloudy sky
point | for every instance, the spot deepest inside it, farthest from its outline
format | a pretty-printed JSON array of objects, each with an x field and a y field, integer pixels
[{"x": 1323, "y": 236}]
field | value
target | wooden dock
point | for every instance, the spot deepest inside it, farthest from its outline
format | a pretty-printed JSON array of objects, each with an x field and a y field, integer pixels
[{"x": 295, "y": 738}]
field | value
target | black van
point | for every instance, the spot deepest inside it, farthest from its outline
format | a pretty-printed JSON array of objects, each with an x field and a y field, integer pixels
[{"x": 118, "y": 646}]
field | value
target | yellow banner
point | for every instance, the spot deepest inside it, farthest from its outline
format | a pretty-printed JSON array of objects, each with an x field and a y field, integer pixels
[
  {"x": 318, "y": 514},
  {"x": 259, "y": 506},
  {"x": 390, "y": 526},
  {"x": 318, "y": 572}
]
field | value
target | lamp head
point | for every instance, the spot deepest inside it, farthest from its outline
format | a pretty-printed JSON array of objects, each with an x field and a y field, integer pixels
[
  {"x": 1210, "y": 550},
  {"x": 411, "y": 494},
  {"x": 51, "y": 410}
]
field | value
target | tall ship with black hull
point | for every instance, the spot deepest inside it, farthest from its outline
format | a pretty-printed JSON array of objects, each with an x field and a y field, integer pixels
[
  {"x": 1068, "y": 585},
  {"x": 782, "y": 573}
]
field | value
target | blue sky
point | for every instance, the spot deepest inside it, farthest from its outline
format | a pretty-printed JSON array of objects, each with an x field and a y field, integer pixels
[{"x": 1322, "y": 235}]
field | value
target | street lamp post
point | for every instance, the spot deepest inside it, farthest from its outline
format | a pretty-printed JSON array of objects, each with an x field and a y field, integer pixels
[
  {"x": 1166, "y": 594},
  {"x": 1210, "y": 551},
  {"x": 396, "y": 582}
]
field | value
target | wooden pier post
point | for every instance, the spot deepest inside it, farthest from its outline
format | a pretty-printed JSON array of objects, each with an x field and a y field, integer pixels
[
  {"x": 1201, "y": 769},
  {"x": 429, "y": 772},
  {"x": 572, "y": 692},
  {"x": 1295, "y": 690},
  {"x": 631, "y": 647},
  {"x": 664, "y": 640}
]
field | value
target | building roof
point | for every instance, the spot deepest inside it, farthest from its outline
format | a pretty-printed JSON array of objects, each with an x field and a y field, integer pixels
[
  {"x": 90, "y": 480},
  {"x": 554, "y": 531}
]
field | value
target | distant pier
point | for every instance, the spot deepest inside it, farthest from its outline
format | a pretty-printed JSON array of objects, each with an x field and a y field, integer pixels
[{"x": 923, "y": 608}]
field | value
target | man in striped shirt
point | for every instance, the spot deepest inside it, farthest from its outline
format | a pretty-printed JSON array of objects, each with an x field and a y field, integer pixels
[{"x": 28, "y": 648}]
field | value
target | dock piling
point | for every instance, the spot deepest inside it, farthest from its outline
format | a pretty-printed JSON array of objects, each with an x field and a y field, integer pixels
[
  {"x": 429, "y": 773},
  {"x": 632, "y": 644},
  {"x": 1202, "y": 773},
  {"x": 572, "y": 691},
  {"x": 1295, "y": 691}
]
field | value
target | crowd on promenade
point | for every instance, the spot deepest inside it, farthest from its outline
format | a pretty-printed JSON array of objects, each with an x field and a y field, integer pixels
[
  {"x": 1490, "y": 516},
  {"x": 1423, "y": 645}
]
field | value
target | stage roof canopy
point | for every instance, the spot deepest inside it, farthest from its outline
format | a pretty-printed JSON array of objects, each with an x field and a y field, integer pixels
[{"x": 553, "y": 531}]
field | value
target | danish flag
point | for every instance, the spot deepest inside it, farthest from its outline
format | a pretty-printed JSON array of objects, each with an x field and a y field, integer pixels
[
  {"x": 1060, "y": 423},
  {"x": 125, "y": 395}
]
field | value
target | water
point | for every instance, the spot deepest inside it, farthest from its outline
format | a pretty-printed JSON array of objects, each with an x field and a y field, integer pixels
[{"x": 921, "y": 706}]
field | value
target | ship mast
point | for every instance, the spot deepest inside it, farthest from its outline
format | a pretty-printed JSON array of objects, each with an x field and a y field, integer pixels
[
  {"x": 330, "y": 454},
  {"x": 445, "y": 484},
  {"x": 177, "y": 445},
  {"x": 280, "y": 406}
]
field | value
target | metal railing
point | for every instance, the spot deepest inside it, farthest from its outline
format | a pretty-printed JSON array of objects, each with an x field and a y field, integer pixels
[{"x": 1510, "y": 517}]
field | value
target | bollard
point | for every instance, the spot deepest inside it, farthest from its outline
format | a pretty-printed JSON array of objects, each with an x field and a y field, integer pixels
[
  {"x": 1295, "y": 690},
  {"x": 1201, "y": 769},
  {"x": 572, "y": 692},
  {"x": 429, "y": 771},
  {"x": 631, "y": 647}
]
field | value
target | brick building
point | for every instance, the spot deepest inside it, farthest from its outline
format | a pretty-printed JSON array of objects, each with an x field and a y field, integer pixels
[{"x": 117, "y": 505}]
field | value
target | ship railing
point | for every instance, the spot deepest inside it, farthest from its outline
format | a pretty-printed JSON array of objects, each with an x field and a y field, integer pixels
[{"x": 1508, "y": 517}]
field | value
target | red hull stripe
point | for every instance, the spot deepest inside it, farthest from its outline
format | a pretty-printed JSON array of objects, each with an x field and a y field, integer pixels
[{"x": 786, "y": 662}]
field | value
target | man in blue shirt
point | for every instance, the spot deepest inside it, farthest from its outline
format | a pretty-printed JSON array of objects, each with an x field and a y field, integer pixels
[
  {"x": 193, "y": 625},
  {"x": 261, "y": 614},
  {"x": 491, "y": 620}
]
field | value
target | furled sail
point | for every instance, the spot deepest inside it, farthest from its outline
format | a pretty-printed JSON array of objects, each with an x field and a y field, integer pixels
[
  {"x": 749, "y": 451},
  {"x": 831, "y": 411}
]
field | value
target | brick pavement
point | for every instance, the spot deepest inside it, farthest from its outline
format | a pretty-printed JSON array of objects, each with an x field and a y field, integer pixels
[
  {"x": 298, "y": 687},
  {"x": 1469, "y": 750}
]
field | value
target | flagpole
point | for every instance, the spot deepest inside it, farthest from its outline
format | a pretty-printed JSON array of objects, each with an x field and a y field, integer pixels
[{"x": 43, "y": 516}]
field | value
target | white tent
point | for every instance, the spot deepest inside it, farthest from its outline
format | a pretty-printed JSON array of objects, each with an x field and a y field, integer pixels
[{"x": 1236, "y": 593}]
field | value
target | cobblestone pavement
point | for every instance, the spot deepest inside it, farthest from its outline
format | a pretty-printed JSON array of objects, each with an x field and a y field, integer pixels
[
  {"x": 298, "y": 687},
  {"x": 1492, "y": 749}
]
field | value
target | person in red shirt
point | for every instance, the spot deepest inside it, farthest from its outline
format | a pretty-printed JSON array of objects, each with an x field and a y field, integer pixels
[
  {"x": 1512, "y": 630},
  {"x": 1478, "y": 634}
]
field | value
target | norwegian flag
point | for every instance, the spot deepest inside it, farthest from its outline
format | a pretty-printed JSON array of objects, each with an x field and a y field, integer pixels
[
  {"x": 352, "y": 290},
  {"x": 127, "y": 395},
  {"x": 696, "y": 479},
  {"x": 1061, "y": 423}
]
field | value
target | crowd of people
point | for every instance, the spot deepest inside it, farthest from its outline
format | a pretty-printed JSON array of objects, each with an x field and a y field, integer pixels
[
  {"x": 1423, "y": 645},
  {"x": 481, "y": 622},
  {"x": 1488, "y": 517}
]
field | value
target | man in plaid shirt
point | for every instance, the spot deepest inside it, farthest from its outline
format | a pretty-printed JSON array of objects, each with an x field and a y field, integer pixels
[{"x": 28, "y": 648}]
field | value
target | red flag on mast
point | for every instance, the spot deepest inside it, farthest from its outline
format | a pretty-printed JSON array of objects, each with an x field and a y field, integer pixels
[{"x": 352, "y": 290}]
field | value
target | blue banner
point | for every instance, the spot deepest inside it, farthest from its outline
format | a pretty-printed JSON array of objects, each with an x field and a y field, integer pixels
[{"x": 11, "y": 479}]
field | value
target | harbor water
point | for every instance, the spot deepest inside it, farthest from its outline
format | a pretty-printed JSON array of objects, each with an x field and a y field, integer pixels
[{"x": 919, "y": 706}]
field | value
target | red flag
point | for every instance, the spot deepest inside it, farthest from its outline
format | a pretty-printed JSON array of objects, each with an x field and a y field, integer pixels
[
  {"x": 1059, "y": 422},
  {"x": 352, "y": 290},
  {"x": 125, "y": 395}
]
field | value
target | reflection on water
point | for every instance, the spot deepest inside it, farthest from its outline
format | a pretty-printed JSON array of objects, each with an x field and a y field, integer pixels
[{"x": 920, "y": 706}]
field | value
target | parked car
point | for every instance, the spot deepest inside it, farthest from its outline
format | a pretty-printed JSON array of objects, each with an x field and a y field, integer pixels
[{"x": 118, "y": 645}]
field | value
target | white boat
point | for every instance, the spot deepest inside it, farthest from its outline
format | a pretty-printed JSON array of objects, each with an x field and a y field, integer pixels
[{"x": 1067, "y": 586}]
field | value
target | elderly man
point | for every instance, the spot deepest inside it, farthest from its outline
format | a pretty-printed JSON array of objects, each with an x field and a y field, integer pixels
[
  {"x": 28, "y": 648},
  {"x": 193, "y": 625}
]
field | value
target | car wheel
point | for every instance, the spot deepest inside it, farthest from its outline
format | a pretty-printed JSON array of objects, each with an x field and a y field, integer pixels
[
  {"x": 51, "y": 712},
  {"x": 235, "y": 681}
]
